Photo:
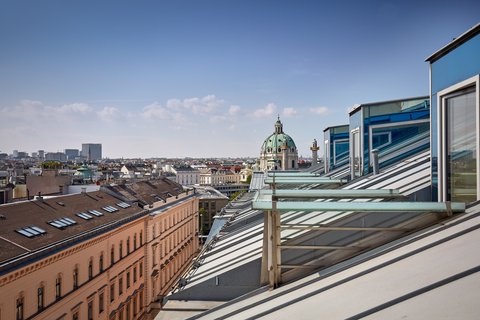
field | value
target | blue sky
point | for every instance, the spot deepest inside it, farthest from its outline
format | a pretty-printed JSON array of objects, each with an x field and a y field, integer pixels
[{"x": 207, "y": 78}]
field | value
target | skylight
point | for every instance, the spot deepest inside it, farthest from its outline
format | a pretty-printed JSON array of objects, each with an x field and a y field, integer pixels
[
  {"x": 62, "y": 222},
  {"x": 95, "y": 213},
  {"x": 84, "y": 215},
  {"x": 31, "y": 231},
  {"x": 110, "y": 209},
  {"x": 123, "y": 205}
]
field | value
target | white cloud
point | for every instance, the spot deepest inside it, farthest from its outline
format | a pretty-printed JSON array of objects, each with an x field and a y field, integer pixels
[
  {"x": 234, "y": 110},
  {"x": 156, "y": 111},
  {"x": 109, "y": 114},
  {"x": 289, "y": 112},
  {"x": 319, "y": 110},
  {"x": 200, "y": 106},
  {"x": 72, "y": 108},
  {"x": 30, "y": 110},
  {"x": 267, "y": 111}
]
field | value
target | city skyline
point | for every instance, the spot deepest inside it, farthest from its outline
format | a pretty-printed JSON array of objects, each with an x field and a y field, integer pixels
[{"x": 207, "y": 78}]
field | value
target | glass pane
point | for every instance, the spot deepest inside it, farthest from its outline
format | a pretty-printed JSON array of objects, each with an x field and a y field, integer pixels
[
  {"x": 357, "y": 169},
  {"x": 341, "y": 151},
  {"x": 461, "y": 148}
]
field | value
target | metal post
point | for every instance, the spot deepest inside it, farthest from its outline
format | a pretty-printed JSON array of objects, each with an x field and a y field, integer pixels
[{"x": 374, "y": 155}]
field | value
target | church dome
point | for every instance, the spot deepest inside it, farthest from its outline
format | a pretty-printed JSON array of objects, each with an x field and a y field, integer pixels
[
  {"x": 276, "y": 140},
  {"x": 278, "y": 147}
]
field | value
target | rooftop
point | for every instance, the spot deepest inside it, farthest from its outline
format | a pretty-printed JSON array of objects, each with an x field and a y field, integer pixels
[
  {"x": 472, "y": 32},
  {"x": 54, "y": 221}
]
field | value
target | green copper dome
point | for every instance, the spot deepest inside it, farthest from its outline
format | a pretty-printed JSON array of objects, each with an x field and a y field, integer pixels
[
  {"x": 84, "y": 172},
  {"x": 275, "y": 141}
]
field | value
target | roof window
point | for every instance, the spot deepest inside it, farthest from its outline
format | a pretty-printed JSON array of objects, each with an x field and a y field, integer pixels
[
  {"x": 110, "y": 209},
  {"x": 31, "y": 231},
  {"x": 95, "y": 213},
  {"x": 84, "y": 215},
  {"x": 62, "y": 223},
  {"x": 123, "y": 205}
]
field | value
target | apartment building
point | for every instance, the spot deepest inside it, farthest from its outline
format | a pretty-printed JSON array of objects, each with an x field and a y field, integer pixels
[{"x": 89, "y": 255}]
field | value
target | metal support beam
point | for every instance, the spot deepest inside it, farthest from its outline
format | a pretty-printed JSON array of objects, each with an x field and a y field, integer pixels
[
  {"x": 312, "y": 247},
  {"x": 355, "y": 206},
  {"x": 303, "y": 180},
  {"x": 328, "y": 194},
  {"x": 292, "y": 174},
  {"x": 324, "y": 228},
  {"x": 299, "y": 266}
]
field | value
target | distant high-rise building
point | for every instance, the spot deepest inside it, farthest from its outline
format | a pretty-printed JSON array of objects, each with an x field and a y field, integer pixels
[
  {"x": 41, "y": 154},
  {"x": 22, "y": 154},
  {"x": 71, "y": 153},
  {"x": 92, "y": 151},
  {"x": 55, "y": 156},
  {"x": 15, "y": 153}
]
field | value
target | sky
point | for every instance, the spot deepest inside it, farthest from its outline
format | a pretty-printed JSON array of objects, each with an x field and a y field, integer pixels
[{"x": 207, "y": 78}]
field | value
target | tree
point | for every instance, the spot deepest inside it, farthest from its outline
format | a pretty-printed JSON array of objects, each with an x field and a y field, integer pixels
[{"x": 51, "y": 165}]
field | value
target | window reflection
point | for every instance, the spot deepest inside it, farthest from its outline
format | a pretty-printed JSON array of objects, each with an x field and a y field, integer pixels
[{"x": 461, "y": 147}]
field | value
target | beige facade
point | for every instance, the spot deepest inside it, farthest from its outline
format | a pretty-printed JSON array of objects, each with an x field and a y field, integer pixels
[
  {"x": 100, "y": 268},
  {"x": 172, "y": 243},
  {"x": 217, "y": 177}
]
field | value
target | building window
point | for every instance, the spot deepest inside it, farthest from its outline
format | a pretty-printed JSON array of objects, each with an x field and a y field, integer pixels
[
  {"x": 458, "y": 142},
  {"x": 154, "y": 256},
  {"x": 112, "y": 255},
  {"x": 20, "y": 308},
  {"x": 135, "y": 241},
  {"x": 141, "y": 238},
  {"x": 141, "y": 270},
  {"x": 58, "y": 288},
  {"x": 101, "y": 302},
  {"x": 134, "y": 274},
  {"x": 128, "y": 245},
  {"x": 135, "y": 305},
  {"x": 75, "y": 316},
  {"x": 120, "y": 250},
  {"x": 120, "y": 285},
  {"x": 90, "y": 310},
  {"x": 461, "y": 146},
  {"x": 90, "y": 269},
  {"x": 112, "y": 292},
  {"x": 40, "y": 298},
  {"x": 100, "y": 263},
  {"x": 128, "y": 279},
  {"x": 75, "y": 278}
]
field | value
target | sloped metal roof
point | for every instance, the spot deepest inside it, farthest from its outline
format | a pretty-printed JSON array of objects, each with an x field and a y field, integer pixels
[
  {"x": 229, "y": 255},
  {"x": 430, "y": 275}
]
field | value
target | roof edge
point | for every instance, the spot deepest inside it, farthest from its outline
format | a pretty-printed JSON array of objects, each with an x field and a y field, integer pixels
[
  {"x": 456, "y": 42},
  {"x": 337, "y": 126},
  {"x": 356, "y": 107}
]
